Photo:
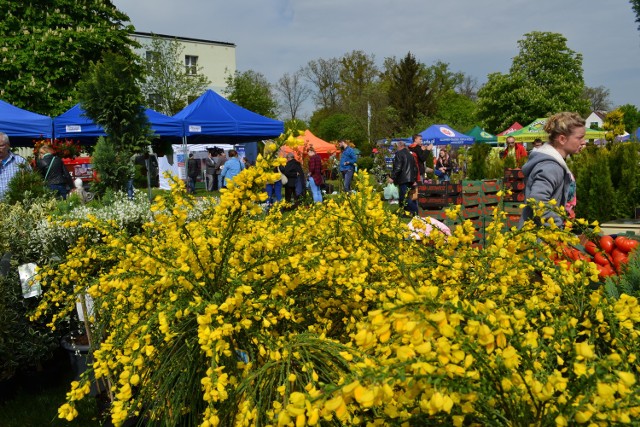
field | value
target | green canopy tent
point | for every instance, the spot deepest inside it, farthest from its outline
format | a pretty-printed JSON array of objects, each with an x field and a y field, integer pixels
[
  {"x": 480, "y": 135},
  {"x": 535, "y": 130}
]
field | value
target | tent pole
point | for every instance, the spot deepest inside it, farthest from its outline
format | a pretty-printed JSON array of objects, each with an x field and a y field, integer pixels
[{"x": 185, "y": 153}]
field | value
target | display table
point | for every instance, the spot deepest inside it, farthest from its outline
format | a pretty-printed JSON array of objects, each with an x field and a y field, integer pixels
[{"x": 621, "y": 226}]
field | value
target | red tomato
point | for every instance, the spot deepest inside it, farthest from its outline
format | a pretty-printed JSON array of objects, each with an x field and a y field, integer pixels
[
  {"x": 605, "y": 270},
  {"x": 619, "y": 259},
  {"x": 591, "y": 248},
  {"x": 606, "y": 243},
  {"x": 626, "y": 244},
  {"x": 616, "y": 252},
  {"x": 601, "y": 259}
]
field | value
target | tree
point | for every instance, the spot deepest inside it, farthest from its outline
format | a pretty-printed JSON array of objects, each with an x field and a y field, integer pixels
[
  {"x": 442, "y": 82},
  {"x": 110, "y": 94},
  {"x": 545, "y": 77},
  {"x": 44, "y": 50},
  {"x": 468, "y": 87},
  {"x": 293, "y": 92},
  {"x": 598, "y": 98},
  {"x": 493, "y": 96},
  {"x": 631, "y": 117},
  {"x": 408, "y": 90},
  {"x": 167, "y": 87},
  {"x": 251, "y": 90},
  {"x": 323, "y": 74},
  {"x": 358, "y": 72},
  {"x": 635, "y": 4},
  {"x": 456, "y": 110},
  {"x": 613, "y": 125}
]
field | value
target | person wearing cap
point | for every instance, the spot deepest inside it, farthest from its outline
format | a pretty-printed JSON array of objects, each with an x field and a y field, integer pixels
[
  {"x": 9, "y": 164},
  {"x": 347, "y": 165}
]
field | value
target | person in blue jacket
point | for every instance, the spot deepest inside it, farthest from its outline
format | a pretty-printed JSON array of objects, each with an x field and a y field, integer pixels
[
  {"x": 347, "y": 164},
  {"x": 231, "y": 168}
]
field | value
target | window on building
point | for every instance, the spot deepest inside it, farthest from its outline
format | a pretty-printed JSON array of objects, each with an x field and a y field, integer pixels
[
  {"x": 151, "y": 55},
  {"x": 191, "y": 64},
  {"x": 594, "y": 125},
  {"x": 153, "y": 101}
]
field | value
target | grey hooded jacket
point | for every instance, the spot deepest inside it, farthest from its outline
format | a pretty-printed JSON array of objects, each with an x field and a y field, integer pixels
[{"x": 547, "y": 177}]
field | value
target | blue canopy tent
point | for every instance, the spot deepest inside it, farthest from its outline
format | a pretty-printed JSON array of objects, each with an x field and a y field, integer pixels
[
  {"x": 444, "y": 135},
  {"x": 214, "y": 119},
  {"x": 73, "y": 123},
  {"x": 23, "y": 126}
]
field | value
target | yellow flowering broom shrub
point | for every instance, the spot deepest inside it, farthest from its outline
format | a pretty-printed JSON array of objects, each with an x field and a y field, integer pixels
[{"x": 332, "y": 314}]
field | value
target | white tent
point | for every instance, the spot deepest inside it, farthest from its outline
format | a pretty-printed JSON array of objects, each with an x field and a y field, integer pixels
[{"x": 176, "y": 162}]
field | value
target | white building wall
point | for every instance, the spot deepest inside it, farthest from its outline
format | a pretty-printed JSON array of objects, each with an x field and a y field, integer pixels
[
  {"x": 594, "y": 118},
  {"x": 217, "y": 59}
]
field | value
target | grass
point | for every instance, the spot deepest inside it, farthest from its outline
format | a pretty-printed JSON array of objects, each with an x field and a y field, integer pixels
[{"x": 36, "y": 403}]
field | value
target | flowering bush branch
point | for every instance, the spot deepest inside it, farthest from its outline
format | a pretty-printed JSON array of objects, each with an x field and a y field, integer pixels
[{"x": 334, "y": 314}]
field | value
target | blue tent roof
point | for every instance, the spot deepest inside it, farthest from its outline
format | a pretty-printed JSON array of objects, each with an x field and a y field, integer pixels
[
  {"x": 444, "y": 135},
  {"x": 20, "y": 123},
  {"x": 214, "y": 116},
  {"x": 74, "y": 124},
  {"x": 164, "y": 125}
]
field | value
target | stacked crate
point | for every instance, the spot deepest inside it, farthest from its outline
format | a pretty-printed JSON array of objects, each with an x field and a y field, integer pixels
[
  {"x": 439, "y": 196},
  {"x": 514, "y": 184},
  {"x": 434, "y": 198},
  {"x": 473, "y": 207}
]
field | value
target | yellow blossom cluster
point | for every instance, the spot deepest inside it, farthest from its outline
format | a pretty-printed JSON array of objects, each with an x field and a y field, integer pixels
[{"x": 333, "y": 313}]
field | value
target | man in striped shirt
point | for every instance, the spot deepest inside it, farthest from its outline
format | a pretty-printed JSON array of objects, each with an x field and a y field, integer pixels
[{"x": 9, "y": 164}]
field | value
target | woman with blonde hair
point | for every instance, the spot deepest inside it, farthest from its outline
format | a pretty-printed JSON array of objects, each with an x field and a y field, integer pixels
[{"x": 547, "y": 176}]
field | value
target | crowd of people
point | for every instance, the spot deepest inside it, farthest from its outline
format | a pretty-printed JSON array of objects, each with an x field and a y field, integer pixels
[{"x": 547, "y": 175}]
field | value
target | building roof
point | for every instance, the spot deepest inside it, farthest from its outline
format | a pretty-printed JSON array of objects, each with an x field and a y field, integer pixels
[
  {"x": 601, "y": 114},
  {"x": 188, "y": 39}
]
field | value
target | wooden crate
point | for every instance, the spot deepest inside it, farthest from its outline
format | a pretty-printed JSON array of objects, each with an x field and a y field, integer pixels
[
  {"x": 434, "y": 202},
  {"x": 469, "y": 200},
  {"x": 512, "y": 208},
  {"x": 514, "y": 185},
  {"x": 472, "y": 187},
  {"x": 513, "y": 174},
  {"x": 472, "y": 212},
  {"x": 446, "y": 188},
  {"x": 490, "y": 199},
  {"x": 438, "y": 214},
  {"x": 491, "y": 186},
  {"x": 515, "y": 197}
]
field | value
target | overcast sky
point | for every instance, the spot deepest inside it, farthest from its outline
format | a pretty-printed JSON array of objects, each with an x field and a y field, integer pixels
[{"x": 475, "y": 37}]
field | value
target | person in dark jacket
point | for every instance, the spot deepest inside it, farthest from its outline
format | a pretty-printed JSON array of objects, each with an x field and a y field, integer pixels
[
  {"x": 54, "y": 172},
  {"x": 193, "y": 171},
  {"x": 423, "y": 154},
  {"x": 293, "y": 171},
  {"x": 404, "y": 175},
  {"x": 210, "y": 171}
]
